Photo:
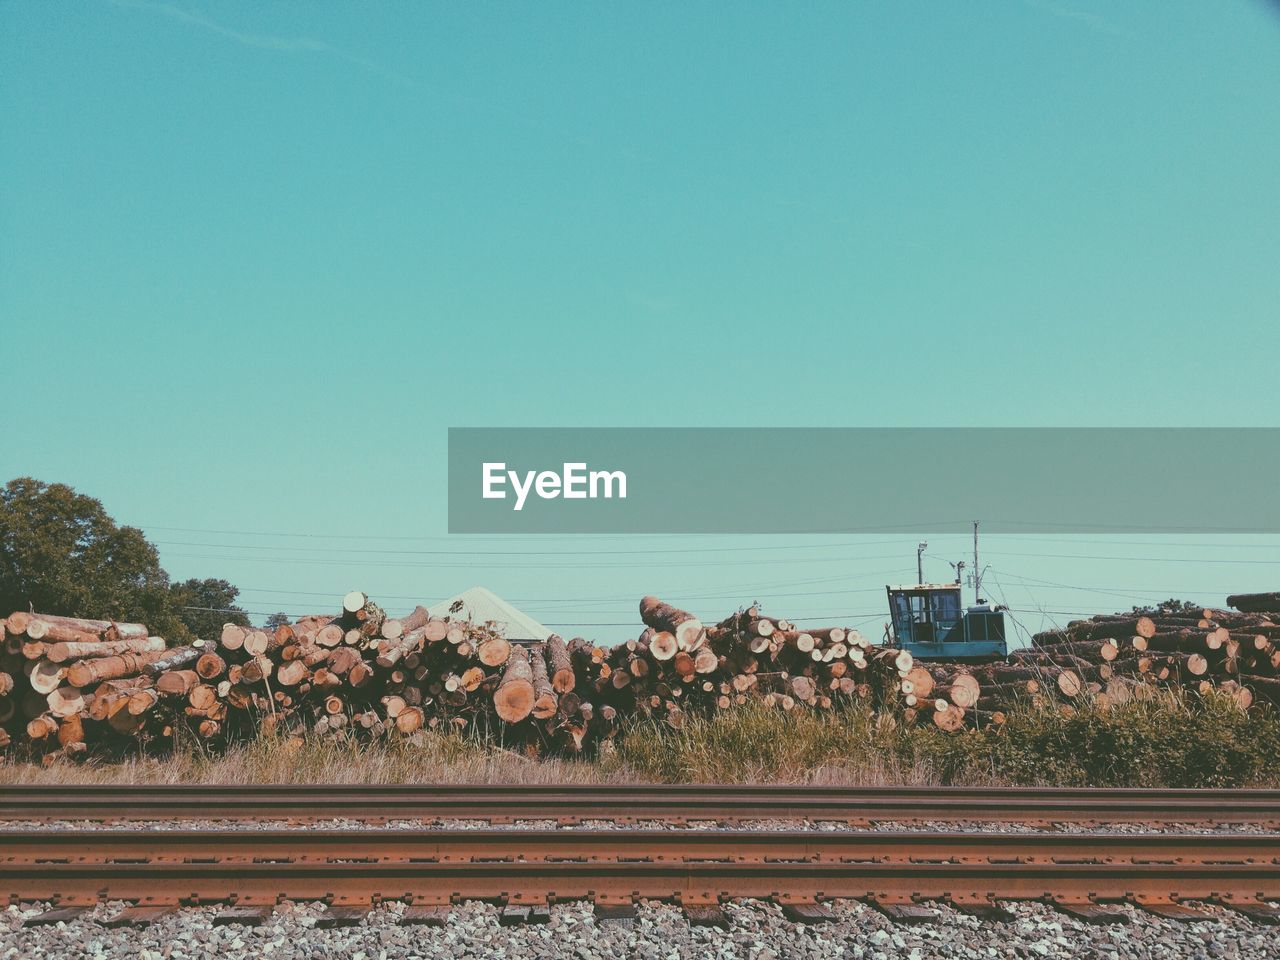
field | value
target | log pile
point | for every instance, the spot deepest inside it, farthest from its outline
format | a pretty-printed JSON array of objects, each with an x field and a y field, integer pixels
[
  {"x": 68, "y": 685},
  {"x": 1112, "y": 658},
  {"x": 678, "y": 667},
  {"x": 63, "y": 677}
]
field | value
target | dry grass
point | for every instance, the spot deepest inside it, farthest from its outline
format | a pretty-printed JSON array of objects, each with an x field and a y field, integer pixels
[
  {"x": 748, "y": 745},
  {"x": 437, "y": 759},
  {"x": 1172, "y": 740}
]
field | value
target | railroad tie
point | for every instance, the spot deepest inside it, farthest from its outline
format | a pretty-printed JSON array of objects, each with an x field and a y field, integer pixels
[
  {"x": 341, "y": 915},
  {"x": 706, "y": 915},
  {"x": 425, "y": 915},
  {"x": 902, "y": 910},
  {"x": 139, "y": 916},
  {"x": 244, "y": 916},
  {"x": 1090, "y": 911},
  {"x": 58, "y": 915},
  {"x": 608, "y": 912},
  {"x": 1259, "y": 911},
  {"x": 519, "y": 914},
  {"x": 982, "y": 906},
  {"x": 807, "y": 912},
  {"x": 1168, "y": 908}
]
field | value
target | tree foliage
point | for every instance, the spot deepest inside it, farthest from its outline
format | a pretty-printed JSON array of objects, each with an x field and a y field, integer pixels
[
  {"x": 205, "y": 605},
  {"x": 278, "y": 620},
  {"x": 61, "y": 553},
  {"x": 1170, "y": 608}
]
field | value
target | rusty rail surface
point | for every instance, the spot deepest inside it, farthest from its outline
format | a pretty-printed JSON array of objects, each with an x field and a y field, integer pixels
[
  {"x": 628, "y": 803},
  {"x": 692, "y": 867}
]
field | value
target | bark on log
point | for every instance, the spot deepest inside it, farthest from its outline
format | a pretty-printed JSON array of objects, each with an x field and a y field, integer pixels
[
  {"x": 1104, "y": 649},
  {"x": 42, "y": 629},
  {"x": 1098, "y": 630},
  {"x": 66, "y": 650},
  {"x": 108, "y": 629},
  {"x": 178, "y": 658},
  {"x": 514, "y": 697},
  {"x": 545, "y": 701},
  {"x": 562, "y": 675},
  {"x": 1255, "y": 602},
  {"x": 684, "y": 626},
  {"x": 84, "y": 672},
  {"x": 418, "y": 618}
]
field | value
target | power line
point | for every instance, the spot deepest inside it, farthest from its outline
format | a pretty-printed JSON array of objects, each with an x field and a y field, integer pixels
[
  {"x": 1082, "y": 556},
  {"x": 558, "y": 623},
  {"x": 876, "y": 528},
  {"x": 672, "y": 596},
  {"x": 596, "y": 538},
  {"x": 1093, "y": 528},
  {"x": 339, "y": 561},
  {"x": 530, "y": 553},
  {"x": 1136, "y": 543}
]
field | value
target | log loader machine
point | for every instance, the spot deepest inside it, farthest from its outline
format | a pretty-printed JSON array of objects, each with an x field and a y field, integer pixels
[{"x": 930, "y": 621}]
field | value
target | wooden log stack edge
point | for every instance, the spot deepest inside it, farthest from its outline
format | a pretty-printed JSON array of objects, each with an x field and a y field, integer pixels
[{"x": 71, "y": 685}]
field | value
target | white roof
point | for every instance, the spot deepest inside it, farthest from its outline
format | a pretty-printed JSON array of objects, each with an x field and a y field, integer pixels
[{"x": 481, "y": 606}]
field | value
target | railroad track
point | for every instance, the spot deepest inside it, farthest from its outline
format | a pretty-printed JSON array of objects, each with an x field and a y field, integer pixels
[
  {"x": 248, "y": 869},
  {"x": 1078, "y": 872},
  {"x": 625, "y": 804}
]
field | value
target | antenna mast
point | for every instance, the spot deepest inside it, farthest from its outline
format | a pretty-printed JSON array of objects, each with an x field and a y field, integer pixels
[{"x": 977, "y": 570}]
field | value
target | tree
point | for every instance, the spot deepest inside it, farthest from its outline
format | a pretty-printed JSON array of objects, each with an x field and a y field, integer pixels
[
  {"x": 1170, "y": 608},
  {"x": 278, "y": 620},
  {"x": 61, "y": 553},
  {"x": 205, "y": 605}
]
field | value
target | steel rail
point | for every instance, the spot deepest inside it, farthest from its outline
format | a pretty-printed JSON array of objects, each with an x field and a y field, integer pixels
[
  {"x": 632, "y": 802},
  {"x": 37, "y": 848},
  {"x": 363, "y": 866}
]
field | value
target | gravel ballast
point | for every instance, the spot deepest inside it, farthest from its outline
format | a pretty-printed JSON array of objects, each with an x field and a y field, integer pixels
[
  {"x": 756, "y": 931},
  {"x": 349, "y": 823}
]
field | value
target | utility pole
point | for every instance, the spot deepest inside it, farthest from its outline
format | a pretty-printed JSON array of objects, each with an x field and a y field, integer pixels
[
  {"x": 920, "y": 548},
  {"x": 977, "y": 570}
]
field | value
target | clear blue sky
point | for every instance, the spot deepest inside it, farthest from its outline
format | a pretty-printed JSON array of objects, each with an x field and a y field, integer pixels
[{"x": 256, "y": 258}]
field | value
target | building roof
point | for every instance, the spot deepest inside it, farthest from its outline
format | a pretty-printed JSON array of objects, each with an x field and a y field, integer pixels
[{"x": 480, "y": 605}]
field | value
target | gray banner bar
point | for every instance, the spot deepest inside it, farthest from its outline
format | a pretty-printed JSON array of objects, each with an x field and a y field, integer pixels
[{"x": 839, "y": 480}]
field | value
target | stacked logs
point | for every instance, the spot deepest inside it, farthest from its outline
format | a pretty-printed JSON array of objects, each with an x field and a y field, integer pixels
[
  {"x": 362, "y": 673},
  {"x": 1109, "y": 659},
  {"x": 62, "y": 676},
  {"x": 1112, "y": 658},
  {"x": 677, "y": 667},
  {"x": 69, "y": 684}
]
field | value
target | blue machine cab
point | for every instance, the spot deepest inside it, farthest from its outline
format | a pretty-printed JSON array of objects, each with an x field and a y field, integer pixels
[{"x": 931, "y": 623}]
